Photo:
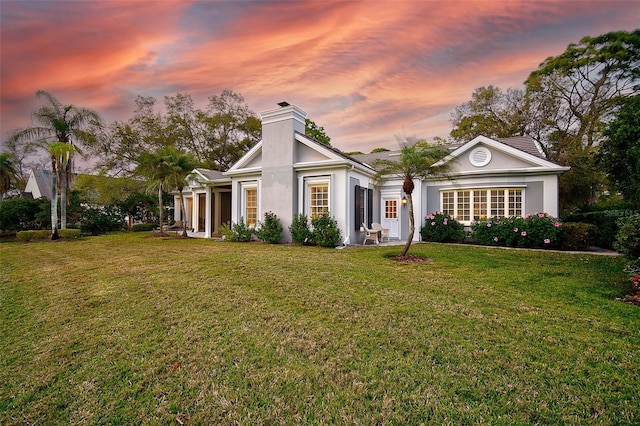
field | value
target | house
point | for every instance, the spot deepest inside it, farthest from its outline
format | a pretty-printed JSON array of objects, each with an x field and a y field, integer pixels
[
  {"x": 288, "y": 173},
  {"x": 39, "y": 184}
]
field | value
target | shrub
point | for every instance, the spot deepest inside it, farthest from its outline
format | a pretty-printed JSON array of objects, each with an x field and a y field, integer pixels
[
  {"x": 627, "y": 240},
  {"x": 142, "y": 227},
  {"x": 40, "y": 235},
  {"x": 96, "y": 221},
  {"x": 299, "y": 229},
  {"x": 69, "y": 234},
  {"x": 325, "y": 231},
  {"x": 606, "y": 223},
  {"x": 45, "y": 234},
  {"x": 578, "y": 236},
  {"x": 270, "y": 230},
  {"x": 237, "y": 233},
  {"x": 20, "y": 214},
  {"x": 442, "y": 228},
  {"x": 538, "y": 230}
]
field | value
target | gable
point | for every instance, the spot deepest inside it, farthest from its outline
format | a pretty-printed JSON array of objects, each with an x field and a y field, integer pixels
[{"x": 485, "y": 155}]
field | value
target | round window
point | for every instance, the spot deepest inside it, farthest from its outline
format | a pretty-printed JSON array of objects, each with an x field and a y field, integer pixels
[{"x": 480, "y": 157}]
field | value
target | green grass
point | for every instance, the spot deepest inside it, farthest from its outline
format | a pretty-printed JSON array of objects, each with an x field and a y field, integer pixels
[{"x": 125, "y": 329}]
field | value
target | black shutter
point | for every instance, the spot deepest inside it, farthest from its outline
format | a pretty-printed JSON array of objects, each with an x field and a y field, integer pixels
[{"x": 358, "y": 219}]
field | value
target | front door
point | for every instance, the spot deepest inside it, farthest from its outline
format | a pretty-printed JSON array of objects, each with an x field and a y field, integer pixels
[
  {"x": 391, "y": 216},
  {"x": 202, "y": 211}
]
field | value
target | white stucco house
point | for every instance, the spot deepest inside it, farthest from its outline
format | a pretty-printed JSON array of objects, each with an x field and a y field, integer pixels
[{"x": 289, "y": 173}]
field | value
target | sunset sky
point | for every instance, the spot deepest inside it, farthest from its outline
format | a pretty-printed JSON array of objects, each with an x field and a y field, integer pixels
[{"x": 364, "y": 70}]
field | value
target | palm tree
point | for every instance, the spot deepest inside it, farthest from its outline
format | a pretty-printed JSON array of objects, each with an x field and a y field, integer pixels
[
  {"x": 167, "y": 169},
  {"x": 61, "y": 156},
  {"x": 417, "y": 161},
  {"x": 152, "y": 165},
  {"x": 60, "y": 123},
  {"x": 179, "y": 166},
  {"x": 7, "y": 173}
]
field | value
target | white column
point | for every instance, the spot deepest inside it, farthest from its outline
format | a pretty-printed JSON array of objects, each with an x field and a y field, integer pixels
[{"x": 208, "y": 218}]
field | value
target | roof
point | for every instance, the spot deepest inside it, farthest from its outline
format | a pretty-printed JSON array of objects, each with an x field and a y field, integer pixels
[
  {"x": 523, "y": 143},
  {"x": 212, "y": 174},
  {"x": 44, "y": 182}
]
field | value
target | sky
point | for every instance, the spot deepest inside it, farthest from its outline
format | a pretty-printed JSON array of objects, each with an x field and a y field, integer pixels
[{"x": 369, "y": 71}]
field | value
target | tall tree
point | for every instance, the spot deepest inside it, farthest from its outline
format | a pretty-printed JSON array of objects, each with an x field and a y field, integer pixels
[
  {"x": 583, "y": 85},
  {"x": 7, "y": 173},
  {"x": 418, "y": 160},
  {"x": 316, "y": 132},
  {"x": 572, "y": 96},
  {"x": 61, "y": 154},
  {"x": 117, "y": 149},
  {"x": 492, "y": 113},
  {"x": 620, "y": 151},
  {"x": 60, "y": 123}
]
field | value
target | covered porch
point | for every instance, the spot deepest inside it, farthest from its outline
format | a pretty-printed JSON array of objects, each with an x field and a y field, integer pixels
[{"x": 207, "y": 203}]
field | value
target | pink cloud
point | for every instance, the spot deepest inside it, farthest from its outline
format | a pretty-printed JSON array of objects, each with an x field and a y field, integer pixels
[{"x": 365, "y": 71}]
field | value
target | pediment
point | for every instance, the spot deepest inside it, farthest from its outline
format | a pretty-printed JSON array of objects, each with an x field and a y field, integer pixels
[{"x": 484, "y": 154}]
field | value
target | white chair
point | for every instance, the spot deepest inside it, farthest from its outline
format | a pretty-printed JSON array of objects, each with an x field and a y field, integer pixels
[
  {"x": 384, "y": 233},
  {"x": 370, "y": 235}
]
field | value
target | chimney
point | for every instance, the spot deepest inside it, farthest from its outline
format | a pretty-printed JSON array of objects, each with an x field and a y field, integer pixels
[{"x": 279, "y": 192}]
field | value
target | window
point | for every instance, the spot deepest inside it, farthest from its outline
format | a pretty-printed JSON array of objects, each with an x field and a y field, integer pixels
[
  {"x": 515, "y": 202},
  {"x": 318, "y": 199},
  {"x": 251, "y": 207},
  {"x": 391, "y": 209},
  {"x": 478, "y": 204}
]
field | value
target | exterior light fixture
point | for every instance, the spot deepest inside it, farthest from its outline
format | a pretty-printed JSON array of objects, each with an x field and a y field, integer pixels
[{"x": 404, "y": 200}]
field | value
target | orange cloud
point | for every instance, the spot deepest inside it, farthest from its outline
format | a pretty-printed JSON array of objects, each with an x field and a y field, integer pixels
[{"x": 366, "y": 71}]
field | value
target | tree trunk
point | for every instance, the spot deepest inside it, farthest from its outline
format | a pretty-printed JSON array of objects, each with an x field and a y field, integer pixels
[
  {"x": 54, "y": 207},
  {"x": 63, "y": 200},
  {"x": 160, "y": 209},
  {"x": 412, "y": 225}
]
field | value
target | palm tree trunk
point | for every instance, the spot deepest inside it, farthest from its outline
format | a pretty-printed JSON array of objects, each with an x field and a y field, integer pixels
[
  {"x": 412, "y": 225},
  {"x": 160, "y": 209},
  {"x": 54, "y": 206},
  {"x": 63, "y": 200}
]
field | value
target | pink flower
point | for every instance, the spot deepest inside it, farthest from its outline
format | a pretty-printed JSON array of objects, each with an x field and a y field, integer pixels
[
  {"x": 547, "y": 241},
  {"x": 515, "y": 229},
  {"x": 433, "y": 224},
  {"x": 495, "y": 239},
  {"x": 488, "y": 225},
  {"x": 444, "y": 222},
  {"x": 527, "y": 216},
  {"x": 541, "y": 214},
  {"x": 523, "y": 233},
  {"x": 557, "y": 224}
]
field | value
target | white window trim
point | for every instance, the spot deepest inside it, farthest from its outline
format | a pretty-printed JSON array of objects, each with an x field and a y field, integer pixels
[
  {"x": 244, "y": 186},
  {"x": 316, "y": 180},
  {"x": 488, "y": 190}
]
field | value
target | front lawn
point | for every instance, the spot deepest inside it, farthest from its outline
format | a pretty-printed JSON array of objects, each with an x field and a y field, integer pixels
[{"x": 125, "y": 329}]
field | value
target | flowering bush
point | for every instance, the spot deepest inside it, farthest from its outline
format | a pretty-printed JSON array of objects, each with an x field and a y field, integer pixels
[
  {"x": 442, "y": 228},
  {"x": 270, "y": 230},
  {"x": 538, "y": 230}
]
